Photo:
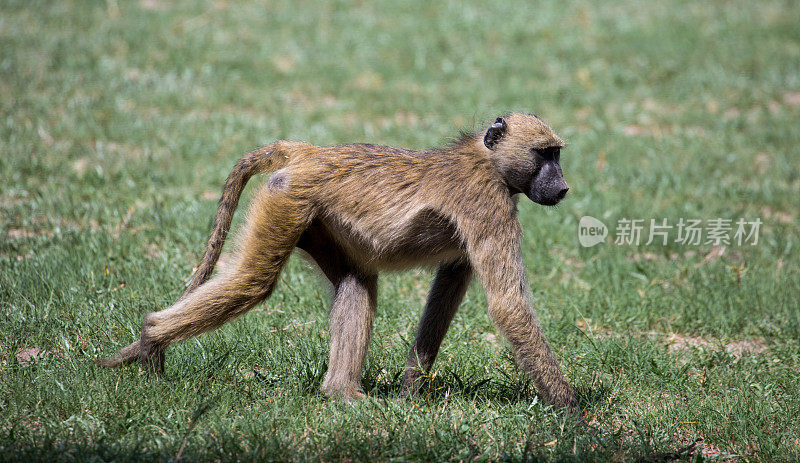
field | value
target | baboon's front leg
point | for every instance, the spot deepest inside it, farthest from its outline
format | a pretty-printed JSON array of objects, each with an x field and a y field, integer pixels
[
  {"x": 273, "y": 227},
  {"x": 448, "y": 289},
  {"x": 351, "y": 327},
  {"x": 494, "y": 251}
]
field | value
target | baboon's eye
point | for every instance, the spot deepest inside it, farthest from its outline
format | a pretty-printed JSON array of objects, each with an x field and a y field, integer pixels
[{"x": 552, "y": 153}]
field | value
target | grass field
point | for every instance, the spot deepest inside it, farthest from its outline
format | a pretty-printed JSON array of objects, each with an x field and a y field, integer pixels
[{"x": 119, "y": 122}]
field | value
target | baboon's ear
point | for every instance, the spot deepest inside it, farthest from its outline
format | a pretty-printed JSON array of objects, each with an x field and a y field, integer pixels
[{"x": 495, "y": 133}]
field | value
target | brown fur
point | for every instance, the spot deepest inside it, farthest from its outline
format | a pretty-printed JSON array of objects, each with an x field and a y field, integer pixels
[{"x": 358, "y": 209}]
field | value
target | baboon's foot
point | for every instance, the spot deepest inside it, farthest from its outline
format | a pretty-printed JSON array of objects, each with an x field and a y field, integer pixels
[
  {"x": 562, "y": 396},
  {"x": 412, "y": 381},
  {"x": 152, "y": 352},
  {"x": 152, "y": 358},
  {"x": 350, "y": 392},
  {"x": 126, "y": 356}
]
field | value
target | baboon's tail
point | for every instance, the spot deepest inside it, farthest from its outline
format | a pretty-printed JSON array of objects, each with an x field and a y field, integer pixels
[{"x": 265, "y": 159}]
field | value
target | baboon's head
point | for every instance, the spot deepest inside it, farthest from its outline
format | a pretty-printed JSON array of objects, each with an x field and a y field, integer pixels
[{"x": 527, "y": 154}]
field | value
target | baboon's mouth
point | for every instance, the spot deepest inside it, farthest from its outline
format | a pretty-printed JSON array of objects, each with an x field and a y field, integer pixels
[
  {"x": 547, "y": 201},
  {"x": 550, "y": 199}
]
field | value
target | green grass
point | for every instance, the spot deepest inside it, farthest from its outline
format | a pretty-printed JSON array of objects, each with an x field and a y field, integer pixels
[{"x": 119, "y": 122}]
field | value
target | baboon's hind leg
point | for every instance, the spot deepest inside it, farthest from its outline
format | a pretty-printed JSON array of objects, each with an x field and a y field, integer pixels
[
  {"x": 352, "y": 312},
  {"x": 273, "y": 227},
  {"x": 351, "y": 327}
]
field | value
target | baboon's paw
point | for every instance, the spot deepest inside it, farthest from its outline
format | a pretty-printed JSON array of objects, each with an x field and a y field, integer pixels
[
  {"x": 113, "y": 362},
  {"x": 411, "y": 386},
  {"x": 152, "y": 358},
  {"x": 354, "y": 398},
  {"x": 126, "y": 356},
  {"x": 349, "y": 393}
]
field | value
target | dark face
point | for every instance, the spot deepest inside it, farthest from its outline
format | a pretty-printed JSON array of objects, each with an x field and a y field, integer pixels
[
  {"x": 547, "y": 187},
  {"x": 527, "y": 153}
]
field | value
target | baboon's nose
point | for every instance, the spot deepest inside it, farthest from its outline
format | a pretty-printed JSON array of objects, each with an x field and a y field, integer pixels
[{"x": 563, "y": 193}]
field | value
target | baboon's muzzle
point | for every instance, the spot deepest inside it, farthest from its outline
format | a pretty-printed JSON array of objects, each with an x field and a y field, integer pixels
[{"x": 549, "y": 186}]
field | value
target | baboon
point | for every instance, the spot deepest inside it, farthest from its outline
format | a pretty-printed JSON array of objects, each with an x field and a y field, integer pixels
[{"x": 360, "y": 208}]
